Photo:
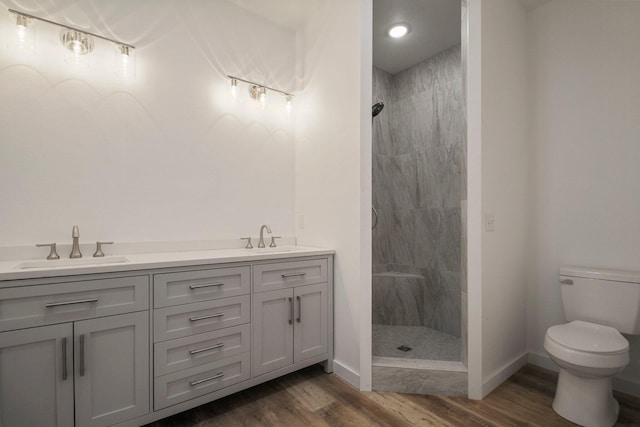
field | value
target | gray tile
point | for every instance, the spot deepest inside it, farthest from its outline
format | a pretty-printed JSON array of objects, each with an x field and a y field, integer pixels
[
  {"x": 397, "y": 300},
  {"x": 401, "y": 233},
  {"x": 418, "y": 381}
]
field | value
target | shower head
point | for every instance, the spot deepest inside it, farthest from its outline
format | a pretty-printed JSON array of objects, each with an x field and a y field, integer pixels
[{"x": 375, "y": 110}]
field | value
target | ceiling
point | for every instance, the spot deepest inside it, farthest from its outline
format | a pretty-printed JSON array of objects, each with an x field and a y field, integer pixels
[{"x": 434, "y": 25}]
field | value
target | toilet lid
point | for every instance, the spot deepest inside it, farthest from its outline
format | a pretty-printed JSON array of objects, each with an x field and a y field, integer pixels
[{"x": 585, "y": 336}]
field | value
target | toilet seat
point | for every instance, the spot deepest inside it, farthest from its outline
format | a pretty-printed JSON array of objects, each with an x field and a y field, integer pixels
[{"x": 587, "y": 344}]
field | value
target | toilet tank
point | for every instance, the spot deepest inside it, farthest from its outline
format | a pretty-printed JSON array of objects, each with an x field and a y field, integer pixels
[{"x": 606, "y": 297}]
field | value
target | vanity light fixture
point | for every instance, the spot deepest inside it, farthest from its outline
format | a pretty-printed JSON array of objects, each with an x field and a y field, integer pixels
[
  {"x": 77, "y": 42},
  {"x": 258, "y": 92},
  {"x": 398, "y": 31}
]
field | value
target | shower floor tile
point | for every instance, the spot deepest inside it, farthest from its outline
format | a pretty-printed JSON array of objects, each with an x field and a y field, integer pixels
[{"x": 425, "y": 343}]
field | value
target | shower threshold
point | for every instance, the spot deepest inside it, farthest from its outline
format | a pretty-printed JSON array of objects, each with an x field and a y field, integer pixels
[{"x": 431, "y": 365}]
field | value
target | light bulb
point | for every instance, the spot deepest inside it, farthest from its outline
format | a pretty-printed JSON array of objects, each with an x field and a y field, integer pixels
[
  {"x": 398, "y": 31},
  {"x": 234, "y": 89},
  {"x": 288, "y": 105},
  {"x": 125, "y": 62},
  {"x": 263, "y": 98},
  {"x": 22, "y": 34}
]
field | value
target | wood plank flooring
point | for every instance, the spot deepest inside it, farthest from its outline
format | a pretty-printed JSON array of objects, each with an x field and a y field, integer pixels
[{"x": 312, "y": 398}]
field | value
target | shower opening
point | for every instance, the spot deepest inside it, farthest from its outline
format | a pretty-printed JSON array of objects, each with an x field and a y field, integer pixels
[{"x": 419, "y": 199}]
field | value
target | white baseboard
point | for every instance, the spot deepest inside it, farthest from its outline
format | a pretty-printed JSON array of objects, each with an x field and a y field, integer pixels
[
  {"x": 502, "y": 374},
  {"x": 619, "y": 384},
  {"x": 346, "y": 373}
]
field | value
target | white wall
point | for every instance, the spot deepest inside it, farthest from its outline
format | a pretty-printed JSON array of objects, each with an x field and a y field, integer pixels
[
  {"x": 585, "y": 112},
  {"x": 165, "y": 157},
  {"x": 333, "y": 176},
  {"x": 504, "y": 191}
]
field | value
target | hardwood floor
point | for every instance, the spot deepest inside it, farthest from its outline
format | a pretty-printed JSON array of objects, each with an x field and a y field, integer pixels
[{"x": 312, "y": 398}]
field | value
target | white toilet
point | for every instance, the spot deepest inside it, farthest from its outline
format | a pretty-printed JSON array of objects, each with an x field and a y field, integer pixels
[{"x": 599, "y": 304}]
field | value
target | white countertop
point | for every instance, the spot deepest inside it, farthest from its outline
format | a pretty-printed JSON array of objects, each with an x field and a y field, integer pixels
[{"x": 13, "y": 270}]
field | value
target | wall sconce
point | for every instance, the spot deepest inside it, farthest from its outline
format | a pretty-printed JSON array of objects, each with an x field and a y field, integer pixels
[
  {"x": 258, "y": 92},
  {"x": 77, "y": 42}
]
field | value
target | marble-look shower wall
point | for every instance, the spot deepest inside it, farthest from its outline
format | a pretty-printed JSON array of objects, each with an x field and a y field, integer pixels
[{"x": 417, "y": 185}]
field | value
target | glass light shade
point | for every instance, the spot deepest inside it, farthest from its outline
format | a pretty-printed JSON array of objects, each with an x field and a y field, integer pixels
[
  {"x": 21, "y": 33},
  {"x": 77, "y": 45},
  {"x": 125, "y": 62}
]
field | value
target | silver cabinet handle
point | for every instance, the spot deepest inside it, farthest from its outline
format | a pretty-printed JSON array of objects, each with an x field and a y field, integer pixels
[
  {"x": 82, "y": 355},
  {"x": 208, "y": 285},
  {"x": 64, "y": 359},
  {"x": 290, "y": 310},
  {"x": 299, "y": 309},
  {"x": 210, "y": 316},
  {"x": 200, "y": 350},
  {"x": 566, "y": 281},
  {"x": 300, "y": 273},
  {"x": 204, "y": 380},
  {"x": 80, "y": 301}
]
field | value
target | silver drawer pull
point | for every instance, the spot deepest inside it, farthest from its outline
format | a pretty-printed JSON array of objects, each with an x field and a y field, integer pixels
[
  {"x": 200, "y": 350},
  {"x": 82, "y": 367},
  {"x": 204, "y": 380},
  {"x": 64, "y": 359},
  {"x": 566, "y": 281},
  {"x": 208, "y": 285},
  {"x": 211, "y": 316},
  {"x": 300, "y": 273},
  {"x": 80, "y": 301}
]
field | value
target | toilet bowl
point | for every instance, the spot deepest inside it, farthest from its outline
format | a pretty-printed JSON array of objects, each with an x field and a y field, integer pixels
[
  {"x": 590, "y": 349},
  {"x": 588, "y": 355}
]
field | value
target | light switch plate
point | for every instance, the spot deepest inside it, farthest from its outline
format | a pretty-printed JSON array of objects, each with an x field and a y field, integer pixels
[{"x": 489, "y": 222}]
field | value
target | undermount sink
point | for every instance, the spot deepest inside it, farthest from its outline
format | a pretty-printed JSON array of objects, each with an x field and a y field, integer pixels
[{"x": 59, "y": 263}]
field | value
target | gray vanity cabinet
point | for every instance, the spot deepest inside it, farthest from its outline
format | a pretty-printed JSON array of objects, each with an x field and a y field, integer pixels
[
  {"x": 100, "y": 363},
  {"x": 290, "y": 322}
]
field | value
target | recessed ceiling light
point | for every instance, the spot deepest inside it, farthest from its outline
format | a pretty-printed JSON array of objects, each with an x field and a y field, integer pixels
[{"x": 398, "y": 31}]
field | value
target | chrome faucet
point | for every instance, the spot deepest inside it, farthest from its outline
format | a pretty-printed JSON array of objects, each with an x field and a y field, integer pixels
[
  {"x": 261, "y": 241},
  {"x": 75, "y": 250}
]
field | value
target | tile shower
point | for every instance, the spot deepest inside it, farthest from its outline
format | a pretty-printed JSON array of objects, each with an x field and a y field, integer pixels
[{"x": 418, "y": 172}]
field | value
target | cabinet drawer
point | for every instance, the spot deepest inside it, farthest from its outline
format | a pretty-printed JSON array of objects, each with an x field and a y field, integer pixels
[
  {"x": 200, "y": 317},
  {"x": 202, "y": 285},
  {"x": 29, "y": 306},
  {"x": 267, "y": 277},
  {"x": 184, "y": 385},
  {"x": 196, "y": 350}
]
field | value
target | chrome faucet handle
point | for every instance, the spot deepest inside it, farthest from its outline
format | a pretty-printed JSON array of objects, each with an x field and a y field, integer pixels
[
  {"x": 249, "y": 245},
  {"x": 273, "y": 241},
  {"x": 52, "y": 254},
  {"x": 98, "y": 253}
]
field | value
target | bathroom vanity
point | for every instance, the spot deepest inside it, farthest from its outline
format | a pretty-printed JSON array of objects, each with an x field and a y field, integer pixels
[{"x": 147, "y": 336}]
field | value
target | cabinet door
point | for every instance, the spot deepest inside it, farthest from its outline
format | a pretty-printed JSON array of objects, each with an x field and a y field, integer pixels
[
  {"x": 272, "y": 326},
  {"x": 310, "y": 333},
  {"x": 111, "y": 369},
  {"x": 36, "y": 377}
]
